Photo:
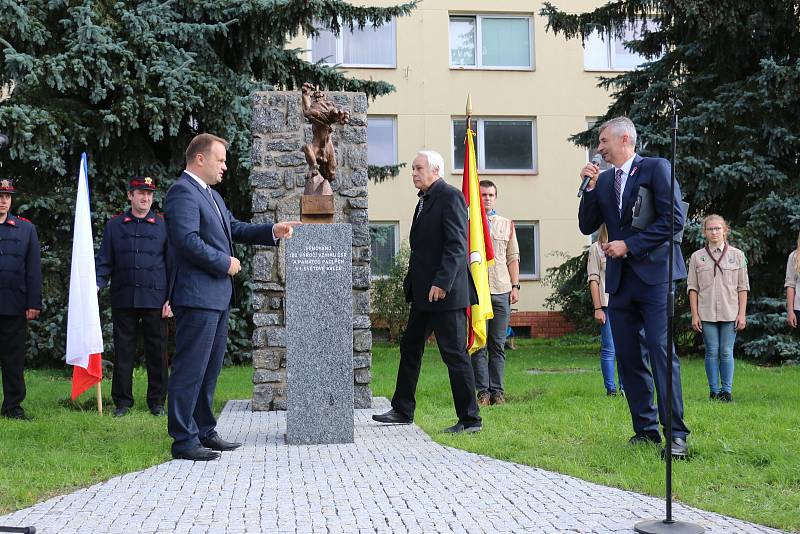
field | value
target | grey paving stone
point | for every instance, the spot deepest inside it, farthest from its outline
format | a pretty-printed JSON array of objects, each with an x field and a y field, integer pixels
[{"x": 393, "y": 479}]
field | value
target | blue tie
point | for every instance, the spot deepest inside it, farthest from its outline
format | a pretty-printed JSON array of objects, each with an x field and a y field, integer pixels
[{"x": 618, "y": 189}]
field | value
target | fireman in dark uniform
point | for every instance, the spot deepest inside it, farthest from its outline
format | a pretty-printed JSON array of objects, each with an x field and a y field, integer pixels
[
  {"x": 20, "y": 298},
  {"x": 134, "y": 256}
]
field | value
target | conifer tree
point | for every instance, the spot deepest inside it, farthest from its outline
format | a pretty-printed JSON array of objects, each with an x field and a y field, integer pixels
[
  {"x": 736, "y": 68},
  {"x": 130, "y": 82}
]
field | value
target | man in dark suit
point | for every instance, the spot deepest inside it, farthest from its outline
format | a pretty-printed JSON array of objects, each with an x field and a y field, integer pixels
[
  {"x": 201, "y": 232},
  {"x": 637, "y": 276},
  {"x": 438, "y": 287}
]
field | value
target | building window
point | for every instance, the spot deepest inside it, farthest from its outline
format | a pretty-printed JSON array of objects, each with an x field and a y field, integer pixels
[
  {"x": 370, "y": 47},
  {"x": 604, "y": 51},
  {"x": 503, "y": 145},
  {"x": 381, "y": 140},
  {"x": 528, "y": 239},
  {"x": 384, "y": 245},
  {"x": 491, "y": 42},
  {"x": 592, "y": 151}
]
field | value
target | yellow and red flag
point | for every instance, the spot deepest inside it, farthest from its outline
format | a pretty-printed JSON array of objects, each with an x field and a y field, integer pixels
[{"x": 481, "y": 253}]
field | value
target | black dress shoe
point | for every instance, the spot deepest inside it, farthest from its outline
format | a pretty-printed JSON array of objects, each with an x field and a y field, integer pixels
[
  {"x": 611, "y": 392},
  {"x": 645, "y": 437},
  {"x": 17, "y": 413},
  {"x": 157, "y": 410},
  {"x": 122, "y": 411},
  {"x": 725, "y": 397},
  {"x": 198, "y": 454},
  {"x": 393, "y": 418},
  {"x": 680, "y": 449},
  {"x": 218, "y": 444},
  {"x": 459, "y": 428}
]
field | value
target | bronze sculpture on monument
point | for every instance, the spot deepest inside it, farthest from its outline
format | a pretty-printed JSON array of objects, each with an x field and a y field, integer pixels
[{"x": 317, "y": 203}]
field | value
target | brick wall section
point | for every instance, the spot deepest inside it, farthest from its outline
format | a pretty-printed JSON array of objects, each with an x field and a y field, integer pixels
[
  {"x": 277, "y": 179},
  {"x": 541, "y": 323}
]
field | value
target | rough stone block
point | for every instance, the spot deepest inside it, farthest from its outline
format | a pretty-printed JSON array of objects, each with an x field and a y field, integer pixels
[
  {"x": 266, "y": 319},
  {"x": 360, "y": 302},
  {"x": 361, "y": 277},
  {"x": 361, "y": 236},
  {"x": 358, "y": 203},
  {"x": 359, "y": 217},
  {"x": 362, "y": 341},
  {"x": 362, "y": 376},
  {"x": 267, "y": 359},
  {"x": 361, "y": 321},
  {"x": 362, "y": 397},
  {"x": 262, "y": 265},
  {"x": 362, "y": 360},
  {"x": 361, "y": 255},
  {"x": 266, "y": 376}
]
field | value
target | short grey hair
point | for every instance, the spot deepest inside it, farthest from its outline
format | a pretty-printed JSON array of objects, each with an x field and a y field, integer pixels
[
  {"x": 620, "y": 126},
  {"x": 435, "y": 161}
]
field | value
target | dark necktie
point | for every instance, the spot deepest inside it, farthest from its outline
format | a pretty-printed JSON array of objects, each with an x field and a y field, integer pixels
[
  {"x": 618, "y": 189},
  {"x": 214, "y": 203},
  {"x": 419, "y": 207}
]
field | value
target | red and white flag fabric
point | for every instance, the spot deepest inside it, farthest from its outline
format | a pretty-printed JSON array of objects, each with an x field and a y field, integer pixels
[{"x": 84, "y": 333}]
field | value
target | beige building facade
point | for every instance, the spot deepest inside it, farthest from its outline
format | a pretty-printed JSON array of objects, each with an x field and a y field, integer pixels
[{"x": 530, "y": 91}]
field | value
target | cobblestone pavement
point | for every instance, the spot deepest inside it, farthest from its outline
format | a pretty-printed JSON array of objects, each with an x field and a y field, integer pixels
[{"x": 392, "y": 479}]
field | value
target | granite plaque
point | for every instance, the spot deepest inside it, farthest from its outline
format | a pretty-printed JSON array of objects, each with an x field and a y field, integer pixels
[{"x": 319, "y": 335}]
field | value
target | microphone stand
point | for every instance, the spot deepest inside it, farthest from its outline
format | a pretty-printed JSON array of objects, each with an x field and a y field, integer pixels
[{"x": 669, "y": 525}]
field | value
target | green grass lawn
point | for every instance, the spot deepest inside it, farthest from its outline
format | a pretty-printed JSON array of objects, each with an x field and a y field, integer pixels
[
  {"x": 63, "y": 449},
  {"x": 745, "y": 457}
]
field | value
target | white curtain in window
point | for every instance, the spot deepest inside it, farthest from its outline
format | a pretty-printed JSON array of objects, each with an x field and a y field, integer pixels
[
  {"x": 323, "y": 47},
  {"x": 380, "y": 141},
  {"x": 370, "y": 46},
  {"x": 505, "y": 42},
  {"x": 595, "y": 52}
]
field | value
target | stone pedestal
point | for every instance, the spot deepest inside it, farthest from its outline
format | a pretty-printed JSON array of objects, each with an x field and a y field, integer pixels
[
  {"x": 319, "y": 335},
  {"x": 279, "y": 173}
]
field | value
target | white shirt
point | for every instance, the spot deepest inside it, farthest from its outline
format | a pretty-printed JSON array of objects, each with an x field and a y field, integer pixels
[{"x": 626, "y": 170}]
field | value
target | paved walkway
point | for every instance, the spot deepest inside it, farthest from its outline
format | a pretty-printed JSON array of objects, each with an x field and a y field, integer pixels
[{"x": 393, "y": 479}]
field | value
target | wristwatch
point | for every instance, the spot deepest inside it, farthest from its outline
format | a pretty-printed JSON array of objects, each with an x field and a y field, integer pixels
[{"x": 515, "y": 286}]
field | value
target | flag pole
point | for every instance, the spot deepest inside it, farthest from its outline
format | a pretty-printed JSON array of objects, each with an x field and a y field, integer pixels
[
  {"x": 469, "y": 111},
  {"x": 99, "y": 398}
]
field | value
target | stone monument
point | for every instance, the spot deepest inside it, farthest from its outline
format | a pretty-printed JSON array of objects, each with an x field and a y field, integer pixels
[
  {"x": 278, "y": 177},
  {"x": 319, "y": 335}
]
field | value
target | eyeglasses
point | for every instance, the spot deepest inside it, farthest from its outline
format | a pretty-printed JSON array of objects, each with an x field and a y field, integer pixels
[{"x": 714, "y": 229}]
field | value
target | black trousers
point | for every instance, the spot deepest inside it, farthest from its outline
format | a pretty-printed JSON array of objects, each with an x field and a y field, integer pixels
[
  {"x": 450, "y": 328},
  {"x": 128, "y": 322},
  {"x": 13, "y": 333}
]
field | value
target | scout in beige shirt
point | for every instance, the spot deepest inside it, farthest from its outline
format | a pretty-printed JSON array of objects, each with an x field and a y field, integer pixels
[
  {"x": 488, "y": 363},
  {"x": 791, "y": 284},
  {"x": 718, "y": 285}
]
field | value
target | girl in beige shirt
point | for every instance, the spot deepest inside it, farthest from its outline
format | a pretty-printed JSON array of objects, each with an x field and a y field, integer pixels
[
  {"x": 718, "y": 285},
  {"x": 791, "y": 284}
]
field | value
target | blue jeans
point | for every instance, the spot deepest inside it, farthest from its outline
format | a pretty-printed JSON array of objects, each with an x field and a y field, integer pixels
[
  {"x": 607, "y": 359},
  {"x": 489, "y": 371},
  {"x": 719, "y": 338}
]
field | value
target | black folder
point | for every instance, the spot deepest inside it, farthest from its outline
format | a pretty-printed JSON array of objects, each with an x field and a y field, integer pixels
[{"x": 644, "y": 212}]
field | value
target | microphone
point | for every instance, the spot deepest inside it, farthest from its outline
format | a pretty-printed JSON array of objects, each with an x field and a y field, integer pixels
[{"x": 597, "y": 160}]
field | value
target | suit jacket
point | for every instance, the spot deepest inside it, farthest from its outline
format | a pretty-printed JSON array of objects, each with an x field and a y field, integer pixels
[
  {"x": 648, "y": 254},
  {"x": 438, "y": 242},
  {"x": 201, "y": 244},
  {"x": 133, "y": 255}
]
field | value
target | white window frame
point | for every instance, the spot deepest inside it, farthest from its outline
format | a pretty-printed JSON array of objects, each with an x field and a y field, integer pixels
[
  {"x": 392, "y": 118},
  {"x": 396, "y": 225},
  {"x": 479, "y": 40},
  {"x": 610, "y": 41},
  {"x": 339, "y": 59},
  {"x": 480, "y": 148},
  {"x": 537, "y": 275}
]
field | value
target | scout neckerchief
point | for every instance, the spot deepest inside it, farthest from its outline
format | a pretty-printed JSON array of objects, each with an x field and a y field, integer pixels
[{"x": 717, "y": 262}]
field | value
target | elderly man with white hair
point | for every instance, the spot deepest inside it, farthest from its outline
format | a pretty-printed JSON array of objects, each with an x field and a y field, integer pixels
[{"x": 439, "y": 289}]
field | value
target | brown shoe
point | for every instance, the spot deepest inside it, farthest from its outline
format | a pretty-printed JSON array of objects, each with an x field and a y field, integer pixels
[
  {"x": 498, "y": 398},
  {"x": 483, "y": 399}
]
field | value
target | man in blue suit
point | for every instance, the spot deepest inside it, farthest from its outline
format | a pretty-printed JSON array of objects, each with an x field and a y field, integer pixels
[
  {"x": 637, "y": 276},
  {"x": 201, "y": 232}
]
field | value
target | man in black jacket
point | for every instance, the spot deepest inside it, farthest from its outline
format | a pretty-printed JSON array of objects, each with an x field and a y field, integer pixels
[
  {"x": 438, "y": 287},
  {"x": 20, "y": 298},
  {"x": 133, "y": 255}
]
